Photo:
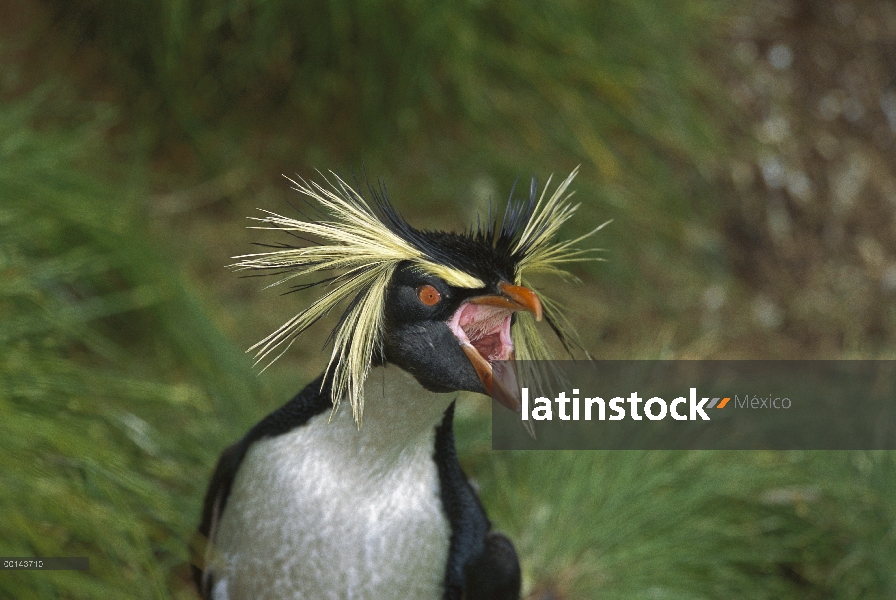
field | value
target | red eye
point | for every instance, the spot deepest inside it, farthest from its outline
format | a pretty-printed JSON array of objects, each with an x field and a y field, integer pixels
[{"x": 428, "y": 295}]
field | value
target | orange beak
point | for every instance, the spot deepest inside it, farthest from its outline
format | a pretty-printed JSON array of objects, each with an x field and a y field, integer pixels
[{"x": 513, "y": 297}]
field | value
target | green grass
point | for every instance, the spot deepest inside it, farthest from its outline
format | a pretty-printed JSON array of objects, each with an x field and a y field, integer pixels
[
  {"x": 111, "y": 378},
  {"x": 118, "y": 387},
  {"x": 691, "y": 525},
  {"x": 432, "y": 97}
]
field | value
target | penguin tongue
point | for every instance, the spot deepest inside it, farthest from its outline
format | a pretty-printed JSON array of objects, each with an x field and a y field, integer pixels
[
  {"x": 484, "y": 335},
  {"x": 486, "y": 328}
]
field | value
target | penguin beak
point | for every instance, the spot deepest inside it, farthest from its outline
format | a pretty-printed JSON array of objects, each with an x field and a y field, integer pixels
[
  {"x": 512, "y": 298},
  {"x": 482, "y": 326}
]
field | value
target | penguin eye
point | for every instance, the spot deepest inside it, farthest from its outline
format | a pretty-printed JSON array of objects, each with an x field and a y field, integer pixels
[{"x": 428, "y": 295}]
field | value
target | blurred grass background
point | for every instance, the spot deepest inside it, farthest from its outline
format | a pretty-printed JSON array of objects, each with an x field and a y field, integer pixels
[{"x": 745, "y": 154}]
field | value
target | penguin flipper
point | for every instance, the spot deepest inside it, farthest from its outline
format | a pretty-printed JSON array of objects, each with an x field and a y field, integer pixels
[{"x": 203, "y": 545}]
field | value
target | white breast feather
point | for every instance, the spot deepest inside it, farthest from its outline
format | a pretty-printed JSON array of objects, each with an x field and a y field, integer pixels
[{"x": 326, "y": 511}]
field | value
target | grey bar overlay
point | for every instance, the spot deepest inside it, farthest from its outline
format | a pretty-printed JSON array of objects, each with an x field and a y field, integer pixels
[{"x": 749, "y": 405}]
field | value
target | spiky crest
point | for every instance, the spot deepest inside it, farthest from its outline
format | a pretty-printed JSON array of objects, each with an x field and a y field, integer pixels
[{"x": 364, "y": 244}]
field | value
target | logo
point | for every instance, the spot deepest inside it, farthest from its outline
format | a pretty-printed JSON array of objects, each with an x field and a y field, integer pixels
[{"x": 596, "y": 408}]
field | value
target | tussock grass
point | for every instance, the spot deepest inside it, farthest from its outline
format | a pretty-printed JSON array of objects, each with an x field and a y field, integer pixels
[
  {"x": 112, "y": 379},
  {"x": 693, "y": 525}
]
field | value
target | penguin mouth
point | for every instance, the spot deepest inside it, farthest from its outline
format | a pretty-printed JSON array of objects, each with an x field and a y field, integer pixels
[
  {"x": 482, "y": 326},
  {"x": 486, "y": 329}
]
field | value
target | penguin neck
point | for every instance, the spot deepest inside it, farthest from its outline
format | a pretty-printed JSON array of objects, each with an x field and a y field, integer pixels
[{"x": 400, "y": 417}]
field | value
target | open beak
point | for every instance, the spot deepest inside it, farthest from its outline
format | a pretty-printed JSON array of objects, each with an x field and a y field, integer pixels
[{"x": 482, "y": 326}]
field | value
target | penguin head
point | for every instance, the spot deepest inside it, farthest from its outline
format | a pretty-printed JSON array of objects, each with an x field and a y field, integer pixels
[
  {"x": 448, "y": 337},
  {"x": 443, "y": 306}
]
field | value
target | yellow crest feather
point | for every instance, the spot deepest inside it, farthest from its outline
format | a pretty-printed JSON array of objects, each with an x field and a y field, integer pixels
[
  {"x": 357, "y": 243},
  {"x": 354, "y": 242}
]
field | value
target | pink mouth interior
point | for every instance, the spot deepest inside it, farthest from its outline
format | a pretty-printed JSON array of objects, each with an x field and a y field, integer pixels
[{"x": 486, "y": 328}]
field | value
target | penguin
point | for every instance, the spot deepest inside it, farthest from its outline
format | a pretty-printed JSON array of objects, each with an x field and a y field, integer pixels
[{"x": 321, "y": 500}]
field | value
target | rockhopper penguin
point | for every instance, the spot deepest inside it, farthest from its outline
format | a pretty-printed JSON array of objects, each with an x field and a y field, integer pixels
[{"x": 318, "y": 501}]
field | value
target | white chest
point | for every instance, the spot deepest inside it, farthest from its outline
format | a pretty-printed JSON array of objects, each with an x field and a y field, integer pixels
[{"x": 326, "y": 511}]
